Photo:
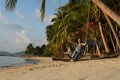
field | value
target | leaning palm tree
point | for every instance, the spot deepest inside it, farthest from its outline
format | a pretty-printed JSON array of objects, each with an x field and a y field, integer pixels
[
  {"x": 108, "y": 12},
  {"x": 113, "y": 30}
]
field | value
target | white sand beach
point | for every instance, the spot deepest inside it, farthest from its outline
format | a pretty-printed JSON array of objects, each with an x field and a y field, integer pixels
[{"x": 46, "y": 69}]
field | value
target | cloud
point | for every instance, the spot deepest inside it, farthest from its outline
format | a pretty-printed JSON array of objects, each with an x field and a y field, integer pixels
[
  {"x": 49, "y": 18},
  {"x": 7, "y": 25},
  {"x": 18, "y": 14},
  {"x": 3, "y": 19},
  {"x": 10, "y": 29},
  {"x": 13, "y": 37},
  {"x": 22, "y": 38},
  {"x": 37, "y": 13},
  {"x": 13, "y": 26}
]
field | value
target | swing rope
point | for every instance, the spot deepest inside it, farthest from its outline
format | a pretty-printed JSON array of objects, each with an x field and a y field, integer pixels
[{"x": 88, "y": 4}]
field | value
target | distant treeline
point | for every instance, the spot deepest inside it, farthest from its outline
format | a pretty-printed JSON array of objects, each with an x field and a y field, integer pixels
[{"x": 37, "y": 50}]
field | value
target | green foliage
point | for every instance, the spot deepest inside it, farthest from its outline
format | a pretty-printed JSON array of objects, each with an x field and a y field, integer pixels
[
  {"x": 47, "y": 53},
  {"x": 37, "y": 51},
  {"x": 42, "y": 10},
  {"x": 76, "y": 19},
  {"x": 30, "y": 49},
  {"x": 68, "y": 21}
]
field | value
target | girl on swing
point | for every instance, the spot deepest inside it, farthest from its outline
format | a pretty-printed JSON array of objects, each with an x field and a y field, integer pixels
[{"x": 77, "y": 52}]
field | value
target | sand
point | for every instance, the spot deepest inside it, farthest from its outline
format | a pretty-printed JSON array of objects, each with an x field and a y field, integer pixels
[{"x": 46, "y": 69}]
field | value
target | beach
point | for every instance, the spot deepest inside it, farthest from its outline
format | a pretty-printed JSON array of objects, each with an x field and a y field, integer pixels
[{"x": 46, "y": 69}]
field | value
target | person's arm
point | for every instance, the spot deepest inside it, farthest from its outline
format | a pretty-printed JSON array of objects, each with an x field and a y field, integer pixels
[{"x": 83, "y": 44}]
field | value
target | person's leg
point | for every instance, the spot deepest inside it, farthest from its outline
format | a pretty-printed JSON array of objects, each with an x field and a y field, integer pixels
[
  {"x": 76, "y": 56},
  {"x": 79, "y": 55},
  {"x": 73, "y": 55}
]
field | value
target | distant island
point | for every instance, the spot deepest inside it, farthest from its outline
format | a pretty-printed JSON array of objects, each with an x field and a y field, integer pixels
[{"x": 17, "y": 54}]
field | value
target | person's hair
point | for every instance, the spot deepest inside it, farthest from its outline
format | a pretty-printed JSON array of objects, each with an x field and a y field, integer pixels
[{"x": 77, "y": 40}]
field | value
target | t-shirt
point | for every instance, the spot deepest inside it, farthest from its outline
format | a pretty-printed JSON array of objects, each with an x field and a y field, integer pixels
[{"x": 78, "y": 48}]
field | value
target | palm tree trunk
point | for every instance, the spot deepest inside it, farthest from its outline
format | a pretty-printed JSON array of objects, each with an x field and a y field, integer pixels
[
  {"x": 113, "y": 30},
  {"x": 112, "y": 42},
  {"x": 107, "y": 10},
  {"x": 107, "y": 50},
  {"x": 97, "y": 47},
  {"x": 98, "y": 50}
]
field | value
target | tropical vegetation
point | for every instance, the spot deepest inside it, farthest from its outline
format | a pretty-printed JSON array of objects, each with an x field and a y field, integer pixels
[
  {"x": 32, "y": 50},
  {"x": 94, "y": 20}
]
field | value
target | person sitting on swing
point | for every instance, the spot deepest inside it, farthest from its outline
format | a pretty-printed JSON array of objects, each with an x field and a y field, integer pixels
[{"x": 77, "y": 52}]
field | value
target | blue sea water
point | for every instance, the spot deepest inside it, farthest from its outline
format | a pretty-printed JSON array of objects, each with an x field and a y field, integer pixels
[{"x": 13, "y": 61}]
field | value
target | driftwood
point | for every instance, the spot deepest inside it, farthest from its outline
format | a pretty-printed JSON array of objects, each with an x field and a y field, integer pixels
[
  {"x": 88, "y": 57},
  {"x": 60, "y": 59}
]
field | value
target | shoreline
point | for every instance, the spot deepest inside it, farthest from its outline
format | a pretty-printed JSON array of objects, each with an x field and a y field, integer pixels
[
  {"x": 104, "y": 69},
  {"x": 27, "y": 61},
  {"x": 38, "y": 60}
]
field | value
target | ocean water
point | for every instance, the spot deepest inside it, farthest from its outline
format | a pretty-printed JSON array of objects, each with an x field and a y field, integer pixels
[{"x": 6, "y": 61}]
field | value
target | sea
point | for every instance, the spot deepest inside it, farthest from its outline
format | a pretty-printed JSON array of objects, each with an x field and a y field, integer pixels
[{"x": 6, "y": 61}]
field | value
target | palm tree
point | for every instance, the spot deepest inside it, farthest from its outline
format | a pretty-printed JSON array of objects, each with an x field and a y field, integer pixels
[
  {"x": 107, "y": 50},
  {"x": 30, "y": 49},
  {"x": 96, "y": 19},
  {"x": 107, "y": 10},
  {"x": 113, "y": 30},
  {"x": 56, "y": 34}
]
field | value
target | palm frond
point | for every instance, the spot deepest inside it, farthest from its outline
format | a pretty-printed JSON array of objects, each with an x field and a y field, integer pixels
[
  {"x": 10, "y": 4},
  {"x": 42, "y": 10}
]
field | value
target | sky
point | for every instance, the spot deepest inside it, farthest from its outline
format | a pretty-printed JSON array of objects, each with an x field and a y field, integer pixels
[{"x": 22, "y": 26}]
